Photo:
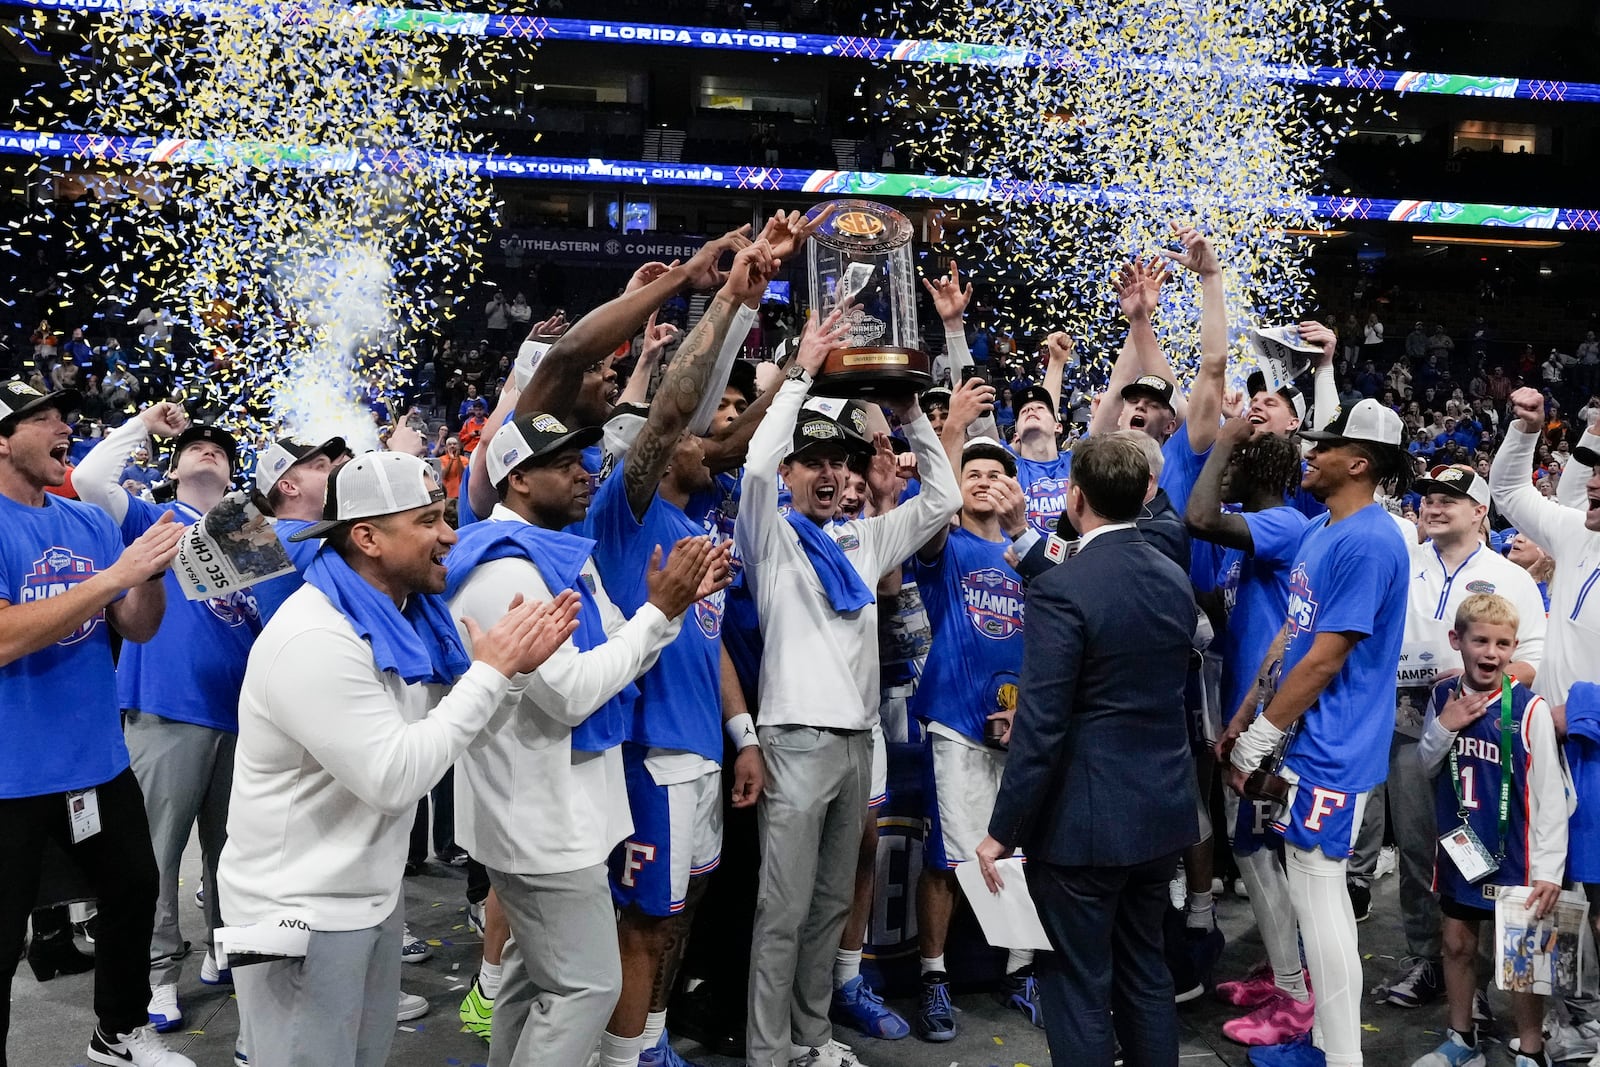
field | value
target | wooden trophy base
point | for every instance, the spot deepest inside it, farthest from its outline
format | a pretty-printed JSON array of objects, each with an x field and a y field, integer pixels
[{"x": 879, "y": 371}]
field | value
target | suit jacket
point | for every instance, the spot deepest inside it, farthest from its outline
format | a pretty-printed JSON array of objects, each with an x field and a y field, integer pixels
[
  {"x": 1100, "y": 771},
  {"x": 1159, "y": 523}
]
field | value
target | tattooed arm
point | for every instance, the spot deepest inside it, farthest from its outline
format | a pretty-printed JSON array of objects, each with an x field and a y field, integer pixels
[{"x": 688, "y": 376}]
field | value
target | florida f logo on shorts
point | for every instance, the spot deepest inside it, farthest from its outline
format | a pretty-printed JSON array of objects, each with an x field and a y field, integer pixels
[{"x": 1318, "y": 817}]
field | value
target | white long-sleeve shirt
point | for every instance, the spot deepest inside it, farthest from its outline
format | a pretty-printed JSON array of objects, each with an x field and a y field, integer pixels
[
  {"x": 1572, "y": 644},
  {"x": 98, "y": 479},
  {"x": 1572, "y": 488},
  {"x": 820, "y": 667},
  {"x": 1548, "y": 784},
  {"x": 333, "y": 756},
  {"x": 526, "y": 803}
]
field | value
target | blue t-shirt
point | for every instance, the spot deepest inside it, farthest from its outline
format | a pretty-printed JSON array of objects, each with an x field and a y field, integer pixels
[
  {"x": 1349, "y": 576},
  {"x": 1180, "y": 468},
  {"x": 680, "y": 698},
  {"x": 1256, "y": 591},
  {"x": 192, "y": 669},
  {"x": 58, "y": 711},
  {"x": 271, "y": 594},
  {"x": 974, "y": 600},
  {"x": 1044, "y": 483}
]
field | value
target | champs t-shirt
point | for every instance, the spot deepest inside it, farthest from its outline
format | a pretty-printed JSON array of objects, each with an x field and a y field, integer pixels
[
  {"x": 974, "y": 600},
  {"x": 58, "y": 706},
  {"x": 192, "y": 669},
  {"x": 1180, "y": 468},
  {"x": 680, "y": 698},
  {"x": 1259, "y": 597},
  {"x": 1348, "y": 576},
  {"x": 1044, "y": 483}
]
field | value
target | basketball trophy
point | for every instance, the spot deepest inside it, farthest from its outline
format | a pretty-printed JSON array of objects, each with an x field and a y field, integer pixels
[{"x": 860, "y": 257}]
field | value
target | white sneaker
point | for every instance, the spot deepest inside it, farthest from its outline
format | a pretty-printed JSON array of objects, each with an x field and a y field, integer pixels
[
  {"x": 1563, "y": 1042},
  {"x": 413, "y": 949},
  {"x": 833, "y": 1054},
  {"x": 211, "y": 974},
  {"x": 475, "y": 918},
  {"x": 165, "y": 1015},
  {"x": 411, "y": 1007},
  {"x": 142, "y": 1048},
  {"x": 1388, "y": 862},
  {"x": 241, "y": 1055}
]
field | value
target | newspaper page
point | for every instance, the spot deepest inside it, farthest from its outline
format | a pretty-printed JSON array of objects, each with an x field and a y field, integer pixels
[
  {"x": 233, "y": 546},
  {"x": 1281, "y": 354},
  {"x": 1543, "y": 956}
]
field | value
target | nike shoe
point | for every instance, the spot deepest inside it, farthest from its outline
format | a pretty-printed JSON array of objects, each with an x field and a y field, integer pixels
[
  {"x": 833, "y": 1054},
  {"x": 662, "y": 1055},
  {"x": 241, "y": 1056},
  {"x": 1388, "y": 862},
  {"x": 1251, "y": 991},
  {"x": 1297, "y": 1053},
  {"x": 1280, "y": 1020},
  {"x": 477, "y": 1013},
  {"x": 211, "y": 974},
  {"x": 411, "y": 1006},
  {"x": 1482, "y": 1014},
  {"x": 141, "y": 1048},
  {"x": 1021, "y": 991},
  {"x": 936, "y": 1015},
  {"x": 1454, "y": 1053},
  {"x": 165, "y": 1015},
  {"x": 475, "y": 917},
  {"x": 1360, "y": 901},
  {"x": 857, "y": 1006},
  {"x": 1417, "y": 987},
  {"x": 413, "y": 949}
]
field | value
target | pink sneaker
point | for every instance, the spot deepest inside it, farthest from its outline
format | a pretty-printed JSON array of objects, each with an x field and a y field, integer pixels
[
  {"x": 1251, "y": 991},
  {"x": 1282, "y": 1018}
]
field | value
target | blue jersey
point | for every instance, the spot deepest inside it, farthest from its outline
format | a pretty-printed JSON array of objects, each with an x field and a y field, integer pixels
[
  {"x": 1478, "y": 756},
  {"x": 716, "y": 509},
  {"x": 1044, "y": 483},
  {"x": 680, "y": 698},
  {"x": 1348, "y": 576},
  {"x": 1256, "y": 590},
  {"x": 271, "y": 593},
  {"x": 191, "y": 670},
  {"x": 1180, "y": 468},
  {"x": 974, "y": 600},
  {"x": 58, "y": 706}
]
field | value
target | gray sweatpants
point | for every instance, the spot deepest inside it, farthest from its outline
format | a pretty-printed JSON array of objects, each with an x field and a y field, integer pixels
[
  {"x": 337, "y": 1005},
  {"x": 811, "y": 816},
  {"x": 186, "y": 773},
  {"x": 1416, "y": 835},
  {"x": 562, "y": 972}
]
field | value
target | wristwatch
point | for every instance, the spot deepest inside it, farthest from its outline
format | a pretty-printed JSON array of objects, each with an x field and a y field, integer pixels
[{"x": 797, "y": 373}]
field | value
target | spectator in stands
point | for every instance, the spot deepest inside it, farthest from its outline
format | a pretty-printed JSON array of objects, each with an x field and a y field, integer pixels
[
  {"x": 140, "y": 469},
  {"x": 112, "y": 354},
  {"x": 1400, "y": 379},
  {"x": 1553, "y": 369},
  {"x": 467, "y": 404},
  {"x": 77, "y": 349},
  {"x": 519, "y": 313},
  {"x": 1372, "y": 336},
  {"x": 472, "y": 428},
  {"x": 497, "y": 321},
  {"x": 451, "y": 465},
  {"x": 1588, "y": 356},
  {"x": 44, "y": 341},
  {"x": 1416, "y": 344},
  {"x": 1440, "y": 346},
  {"x": 1368, "y": 382},
  {"x": 1350, "y": 331}
]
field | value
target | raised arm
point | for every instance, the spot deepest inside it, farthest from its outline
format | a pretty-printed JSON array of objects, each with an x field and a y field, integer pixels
[
  {"x": 1059, "y": 355},
  {"x": 1510, "y": 478},
  {"x": 689, "y": 375},
  {"x": 481, "y": 497},
  {"x": 950, "y": 300},
  {"x": 893, "y": 537},
  {"x": 1572, "y": 489},
  {"x": 98, "y": 479},
  {"x": 1324, "y": 386},
  {"x": 1138, "y": 293},
  {"x": 657, "y": 336},
  {"x": 1204, "y": 515},
  {"x": 1205, "y": 396}
]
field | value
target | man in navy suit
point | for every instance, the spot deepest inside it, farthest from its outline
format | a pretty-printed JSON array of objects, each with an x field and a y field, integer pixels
[{"x": 1099, "y": 787}]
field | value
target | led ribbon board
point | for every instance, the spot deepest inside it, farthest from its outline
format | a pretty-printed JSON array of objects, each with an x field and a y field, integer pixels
[
  {"x": 146, "y": 151},
  {"x": 889, "y": 49}
]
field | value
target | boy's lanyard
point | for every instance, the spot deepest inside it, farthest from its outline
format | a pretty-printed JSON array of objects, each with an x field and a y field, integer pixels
[{"x": 1505, "y": 769}]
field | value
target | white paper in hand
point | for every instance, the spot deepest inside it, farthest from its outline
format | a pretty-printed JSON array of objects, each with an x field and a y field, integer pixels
[
  {"x": 1281, "y": 354},
  {"x": 1008, "y": 918}
]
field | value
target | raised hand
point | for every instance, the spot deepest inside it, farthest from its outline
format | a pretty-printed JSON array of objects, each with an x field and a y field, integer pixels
[
  {"x": 165, "y": 419},
  {"x": 1527, "y": 404},
  {"x": 1316, "y": 333},
  {"x": 1234, "y": 404},
  {"x": 787, "y": 232},
  {"x": 753, "y": 267},
  {"x": 1059, "y": 350},
  {"x": 1236, "y": 431},
  {"x": 821, "y": 337},
  {"x": 647, "y": 273},
  {"x": 1464, "y": 708},
  {"x": 949, "y": 298},
  {"x": 1197, "y": 254},
  {"x": 526, "y": 635},
  {"x": 969, "y": 402},
  {"x": 150, "y": 554},
  {"x": 657, "y": 336},
  {"x": 702, "y": 266},
  {"x": 883, "y": 470},
  {"x": 557, "y": 324},
  {"x": 1010, "y": 505}
]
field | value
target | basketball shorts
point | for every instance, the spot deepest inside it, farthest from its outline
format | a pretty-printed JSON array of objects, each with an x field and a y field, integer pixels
[
  {"x": 1317, "y": 817},
  {"x": 962, "y": 784},
  {"x": 880, "y": 770},
  {"x": 677, "y": 829}
]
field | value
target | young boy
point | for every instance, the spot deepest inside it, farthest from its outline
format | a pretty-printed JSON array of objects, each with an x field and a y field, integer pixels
[{"x": 1481, "y": 727}]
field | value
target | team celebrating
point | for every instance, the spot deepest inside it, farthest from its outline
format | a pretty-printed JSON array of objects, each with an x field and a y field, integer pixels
[{"x": 641, "y": 629}]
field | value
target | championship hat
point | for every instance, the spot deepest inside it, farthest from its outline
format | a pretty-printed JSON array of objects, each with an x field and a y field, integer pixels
[
  {"x": 198, "y": 432},
  {"x": 1368, "y": 421},
  {"x": 18, "y": 399},
  {"x": 938, "y": 395},
  {"x": 371, "y": 486},
  {"x": 1033, "y": 394},
  {"x": 1458, "y": 481},
  {"x": 1151, "y": 385},
  {"x": 828, "y": 421},
  {"x": 532, "y": 436},
  {"x": 276, "y": 459}
]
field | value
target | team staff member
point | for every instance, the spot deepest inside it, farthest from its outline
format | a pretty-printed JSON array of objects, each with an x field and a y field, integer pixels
[
  {"x": 1341, "y": 647},
  {"x": 819, "y": 691},
  {"x": 541, "y": 814},
  {"x": 65, "y": 576},
  {"x": 1098, "y": 788},
  {"x": 974, "y": 601},
  {"x": 180, "y": 690},
  {"x": 336, "y": 744},
  {"x": 292, "y": 476},
  {"x": 1450, "y": 566}
]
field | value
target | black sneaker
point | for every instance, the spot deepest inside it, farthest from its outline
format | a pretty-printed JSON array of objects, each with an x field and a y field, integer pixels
[
  {"x": 1360, "y": 901},
  {"x": 1417, "y": 987}
]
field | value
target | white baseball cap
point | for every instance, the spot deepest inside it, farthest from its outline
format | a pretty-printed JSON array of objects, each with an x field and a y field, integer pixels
[
  {"x": 276, "y": 459},
  {"x": 373, "y": 485},
  {"x": 1370, "y": 421},
  {"x": 529, "y": 437},
  {"x": 528, "y": 357}
]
